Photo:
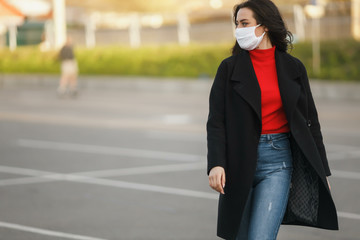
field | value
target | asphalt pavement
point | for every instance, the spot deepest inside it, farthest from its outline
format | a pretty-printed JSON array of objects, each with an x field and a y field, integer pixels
[{"x": 128, "y": 161}]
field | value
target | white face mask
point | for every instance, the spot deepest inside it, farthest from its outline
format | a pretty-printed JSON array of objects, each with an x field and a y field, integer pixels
[{"x": 247, "y": 39}]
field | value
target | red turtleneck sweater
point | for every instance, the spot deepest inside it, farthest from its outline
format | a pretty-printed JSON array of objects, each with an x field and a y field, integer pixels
[{"x": 272, "y": 111}]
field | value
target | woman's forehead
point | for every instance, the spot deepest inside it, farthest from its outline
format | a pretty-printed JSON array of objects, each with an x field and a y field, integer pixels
[{"x": 244, "y": 13}]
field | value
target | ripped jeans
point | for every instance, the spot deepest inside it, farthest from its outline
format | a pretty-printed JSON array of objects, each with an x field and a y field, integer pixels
[{"x": 267, "y": 201}]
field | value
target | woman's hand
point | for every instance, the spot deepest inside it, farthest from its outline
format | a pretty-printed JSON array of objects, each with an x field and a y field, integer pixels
[
  {"x": 217, "y": 179},
  {"x": 328, "y": 182}
]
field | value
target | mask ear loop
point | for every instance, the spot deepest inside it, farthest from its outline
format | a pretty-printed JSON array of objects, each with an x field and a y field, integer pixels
[{"x": 262, "y": 35}]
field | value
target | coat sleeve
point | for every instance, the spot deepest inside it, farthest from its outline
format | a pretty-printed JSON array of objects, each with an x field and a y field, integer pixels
[
  {"x": 313, "y": 122},
  {"x": 216, "y": 136}
]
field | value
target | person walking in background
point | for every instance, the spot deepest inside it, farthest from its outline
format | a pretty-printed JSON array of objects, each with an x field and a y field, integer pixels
[
  {"x": 69, "y": 70},
  {"x": 266, "y": 155}
]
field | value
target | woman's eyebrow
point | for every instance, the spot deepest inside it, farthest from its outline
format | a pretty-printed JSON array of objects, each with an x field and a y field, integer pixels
[{"x": 243, "y": 20}]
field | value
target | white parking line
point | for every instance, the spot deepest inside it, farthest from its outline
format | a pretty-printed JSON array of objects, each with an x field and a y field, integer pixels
[
  {"x": 106, "y": 182},
  {"x": 110, "y": 183},
  {"x": 174, "y": 191},
  {"x": 349, "y": 215},
  {"x": 24, "y": 180},
  {"x": 144, "y": 170},
  {"x": 115, "y": 123},
  {"x": 105, "y": 150},
  {"x": 46, "y": 232},
  {"x": 345, "y": 174},
  {"x": 336, "y": 156},
  {"x": 341, "y": 148},
  {"x": 120, "y": 184},
  {"x": 176, "y": 119},
  {"x": 176, "y": 136},
  {"x": 342, "y": 132},
  {"x": 45, "y": 176},
  {"x": 23, "y": 171},
  {"x": 148, "y": 187},
  {"x": 336, "y": 152}
]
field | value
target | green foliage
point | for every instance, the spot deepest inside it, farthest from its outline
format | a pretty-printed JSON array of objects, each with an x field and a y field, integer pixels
[
  {"x": 28, "y": 60},
  {"x": 340, "y": 60},
  {"x": 167, "y": 61}
]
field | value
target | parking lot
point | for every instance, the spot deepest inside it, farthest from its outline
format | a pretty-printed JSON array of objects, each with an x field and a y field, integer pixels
[{"x": 131, "y": 164}]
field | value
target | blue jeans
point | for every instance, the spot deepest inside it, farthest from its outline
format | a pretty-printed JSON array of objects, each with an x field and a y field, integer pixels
[{"x": 267, "y": 201}]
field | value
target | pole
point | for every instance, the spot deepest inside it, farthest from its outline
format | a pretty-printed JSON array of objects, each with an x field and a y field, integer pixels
[
  {"x": 134, "y": 31},
  {"x": 12, "y": 37},
  {"x": 316, "y": 11},
  {"x": 59, "y": 23},
  {"x": 49, "y": 33},
  {"x": 90, "y": 37},
  {"x": 355, "y": 19},
  {"x": 183, "y": 29},
  {"x": 316, "y": 45},
  {"x": 299, "y": 19}
]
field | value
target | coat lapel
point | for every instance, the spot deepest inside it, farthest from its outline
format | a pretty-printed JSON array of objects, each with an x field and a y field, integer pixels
[
  {"x": 246, "y": 84},
  {"x": 288, "y": 73}
]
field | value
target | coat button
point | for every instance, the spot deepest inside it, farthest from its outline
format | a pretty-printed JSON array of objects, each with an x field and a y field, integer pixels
[{"x": 309, "y": 123}]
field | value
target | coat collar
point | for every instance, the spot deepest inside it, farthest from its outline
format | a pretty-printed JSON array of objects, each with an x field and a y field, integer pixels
[{"x": 248, "y": 87}]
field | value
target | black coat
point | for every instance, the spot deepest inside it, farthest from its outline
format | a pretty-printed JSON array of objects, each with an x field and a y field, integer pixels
[{"x": 233, "y": 131}]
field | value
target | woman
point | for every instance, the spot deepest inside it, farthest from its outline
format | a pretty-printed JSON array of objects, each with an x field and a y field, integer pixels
[{"x": 265, "y": 150}]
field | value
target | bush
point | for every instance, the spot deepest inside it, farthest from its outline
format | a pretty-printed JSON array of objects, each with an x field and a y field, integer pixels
[
  {"x": 339, "y": 60},
  {"x": 169, "y": 60}
]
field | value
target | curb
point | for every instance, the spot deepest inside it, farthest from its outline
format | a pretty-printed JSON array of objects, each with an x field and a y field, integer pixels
[
  {"x": 118, "y": 83},
  {"x": 322, "y": 89},
  {"x": 335, "y": 90}
]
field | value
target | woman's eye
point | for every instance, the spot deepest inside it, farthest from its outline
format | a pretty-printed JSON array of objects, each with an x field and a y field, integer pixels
[{"x": 243, "y": 24}]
